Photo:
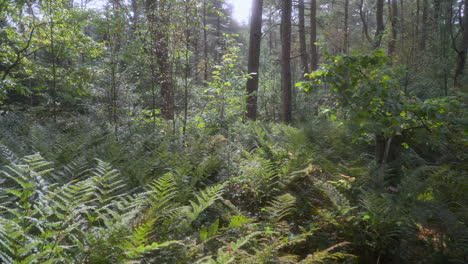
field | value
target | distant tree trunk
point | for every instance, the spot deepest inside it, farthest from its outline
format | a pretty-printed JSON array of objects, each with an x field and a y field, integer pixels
[
  {"x": 219, "y": 44},
  {"x": 302, "y": 38},
  {"x": 187, "y": 67},
  {"x": 254, "y": 58},
  {"x": 365, "y": 27},
  {"x": 54, "y": 62},
  {"x": 313, "y": 35},
  {"x": 286, "y": 59},
  {"x": 380, "y": 24},
  {"x": 158, "y": 19},
  {"x": 388, "y": 152},
  {"x": 422, "y": 43},
  {"x": 418, "y": 8},
  {"x": 394, "y": 21},
  {"x": 270, "y": 35},
  {"x": 346, "y": 28},
  {"x": 205, "y": 45},
  {"x": 134, "y": 17},
  {"x": 461, "y": 59}
]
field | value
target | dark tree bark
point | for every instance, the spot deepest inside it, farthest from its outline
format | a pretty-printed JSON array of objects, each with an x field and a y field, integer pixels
[
  {"x": 254, "y": 58},
  {"x": 302, "y": 37},
  {"x": 422, "y": 43},
  {"x": 418, "y": 8},
  {"x": 346, "y": 28},
  {"x": 380, "y": 23},
  {"x": 158, "y": 19},
  {"x": 286, "y": 8},
  {"x": 313, "y": 35},
  {"x": 461, "y": 59},
  {"x": 394, "y": 21},
  {"x": 205, "y": 44},
  {"x": 365, "y": 27}
]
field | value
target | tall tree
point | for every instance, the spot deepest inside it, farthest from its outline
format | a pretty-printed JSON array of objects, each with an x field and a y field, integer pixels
[
  {"x": 346, "y": 27},
  {"x": 313, "y": 35},
  {"x": 463, "y": 51},
  {"x": 205, "y": 43},
  {"x": 365, "y": 27},
  {"x": 394, "y": 21},
  {"x": 425, "y": 11},
  {"x": 254, "y": 58},
  {"x": 302, "y": 37},
  {"x": 380, "y": 23},
  {"x": 286, "y": 8},
  {"x": 158, "y": 22}
]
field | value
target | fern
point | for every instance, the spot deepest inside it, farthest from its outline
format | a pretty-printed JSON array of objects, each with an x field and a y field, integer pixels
[
  {"x": 228, "y": 254},
  {"x": 326, "y": 256},
  {"x": 204, "y": 199},
  {"x": 281, "y": 206}
]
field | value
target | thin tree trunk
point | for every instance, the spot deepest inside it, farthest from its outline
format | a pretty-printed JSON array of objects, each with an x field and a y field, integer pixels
[
  {"x": 187, "y": 64},
  {"x": 365, "y": 27},
  {"x": 422, "y": 43},
  {"x": 158, "y": 19},
  {"x": 254, "y": 58},
  {"x": 394, "y": 22},
  {"x": 218, "y": 53},
  {"x": 313, "y": 35},
  {"x": 286, "y": 60},
  {"x": 418, "y": 9},
  {"x": 54, "y": 65},
  {"x": 205, "y": 45},
  {"x": 461, "y": 59},
  {"x": 380, "y": 24},
  {"x": 346, "y": 28},
  {"x": 302, "y": 38}
]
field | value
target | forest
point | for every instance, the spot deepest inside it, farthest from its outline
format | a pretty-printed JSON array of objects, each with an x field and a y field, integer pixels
[{"x": 170, "y": 131}]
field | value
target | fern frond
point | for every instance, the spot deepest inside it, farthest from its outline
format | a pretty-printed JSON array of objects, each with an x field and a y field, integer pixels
[
  {"x": 325, "y": 256},
  {"x": 204, "y": 199},
  {"x": 162, "y": 191},
  {"x": 335, "y": 196},
  {"x": 281, "y": 206}
]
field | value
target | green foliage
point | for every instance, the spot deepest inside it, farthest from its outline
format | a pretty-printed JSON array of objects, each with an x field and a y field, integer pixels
[
  {"x": 374, "y": 102},
  {"x": 295, "y": 195},
  {"x": 225, "y": 93}
]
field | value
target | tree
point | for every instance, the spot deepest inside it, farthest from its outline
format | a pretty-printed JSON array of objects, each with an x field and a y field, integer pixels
[
  {"x": 254, "y": 58},
  {"x": 425, "y": 11},
  {"x": 394, "y": 21},
  {"x": 158, "y": 22},
  {"x": 346, "y": 28},
  {"x": 380, "y": 23},
  {"x": 313, "y": 35},
  {"x": 302, "y": 37},
  {"x": 286, "y": 8},
  {"x": 463, "y": 51},
  {"x": 363, "y": 16}
]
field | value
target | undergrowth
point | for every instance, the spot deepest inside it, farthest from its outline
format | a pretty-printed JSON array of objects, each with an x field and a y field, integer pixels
[{"x": 252, "y": 193}]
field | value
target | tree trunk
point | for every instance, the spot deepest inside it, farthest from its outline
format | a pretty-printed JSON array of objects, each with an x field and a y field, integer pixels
[
  {"x": 313, "y": 35},
  {"x": 302, "y": 38},
  {"x": 422, "y": 43},
  {"x": 365, "y": 27},
  {"x": 388, "y": 152},
  {"x": 380, "y": 23},
  {"x": 461, "y": 59},
  {"x": 205, "y": 45},
  {"x": 158, "y": 19},
  {"x": 187, "y": 71},
  {"x": 254, "y": 58},
  {"x": 418, "y": 8},
  {"x": 346, "y": 28},
  {"x": 394, "y": 22},
  {"x": 286, "y": 59}
]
